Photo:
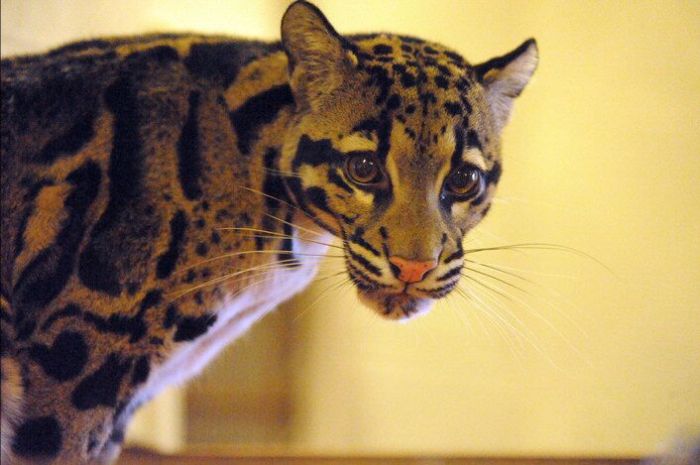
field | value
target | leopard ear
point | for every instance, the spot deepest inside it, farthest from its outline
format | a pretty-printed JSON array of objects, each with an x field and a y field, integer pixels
[
  {"x": 318, "y": 56},
  {"x": 505, "y": 77}
]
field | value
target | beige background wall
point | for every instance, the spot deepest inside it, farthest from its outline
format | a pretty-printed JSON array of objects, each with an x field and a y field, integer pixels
[{"x": 603, "y": 154}]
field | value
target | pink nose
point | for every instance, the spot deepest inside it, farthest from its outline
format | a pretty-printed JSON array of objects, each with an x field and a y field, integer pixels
[{"x": 412, "y": 271}]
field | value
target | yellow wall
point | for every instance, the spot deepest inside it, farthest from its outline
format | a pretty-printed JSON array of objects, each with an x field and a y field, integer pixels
[{"x": 603, "y": 155}]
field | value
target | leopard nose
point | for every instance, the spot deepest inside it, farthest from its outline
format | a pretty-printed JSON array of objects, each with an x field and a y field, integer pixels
[{"x": 410, "y": 271}]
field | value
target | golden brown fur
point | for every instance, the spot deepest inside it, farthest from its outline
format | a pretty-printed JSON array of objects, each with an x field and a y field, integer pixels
[{"x": 124, "y": 161}]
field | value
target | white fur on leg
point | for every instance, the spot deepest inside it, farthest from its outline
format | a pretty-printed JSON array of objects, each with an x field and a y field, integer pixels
[{"x": 10, "y": 413}]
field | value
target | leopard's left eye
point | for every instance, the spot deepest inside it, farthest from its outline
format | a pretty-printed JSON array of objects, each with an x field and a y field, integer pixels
[
  {"x": 465, "y": 182},
  {"x": 364, "y": 168}
]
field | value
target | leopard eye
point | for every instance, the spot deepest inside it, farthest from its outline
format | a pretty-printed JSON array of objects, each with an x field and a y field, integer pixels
[
  {"x": 363, "y": 168},
  {"x": 465, "y": 182}
]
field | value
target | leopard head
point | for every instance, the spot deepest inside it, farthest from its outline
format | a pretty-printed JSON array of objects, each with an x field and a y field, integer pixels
[{"x": 395, "y": 148}]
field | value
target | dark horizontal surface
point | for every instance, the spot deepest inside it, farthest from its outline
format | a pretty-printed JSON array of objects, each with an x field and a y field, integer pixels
[{"x": 139, "y": 457}]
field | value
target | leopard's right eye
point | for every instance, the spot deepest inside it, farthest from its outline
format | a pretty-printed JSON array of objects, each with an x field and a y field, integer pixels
[
  {"x": 465, "y": 183},
  {"x": 364, "y": 168}
]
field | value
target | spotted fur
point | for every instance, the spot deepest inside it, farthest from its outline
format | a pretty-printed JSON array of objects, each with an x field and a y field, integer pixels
[{"x": 125, "y": 160}]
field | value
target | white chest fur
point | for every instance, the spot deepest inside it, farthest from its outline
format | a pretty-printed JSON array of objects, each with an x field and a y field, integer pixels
[{"x": 237, "y": 313}]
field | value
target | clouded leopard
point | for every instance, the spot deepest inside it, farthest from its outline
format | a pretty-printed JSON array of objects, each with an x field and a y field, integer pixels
[{"x": 161, "y": 193}]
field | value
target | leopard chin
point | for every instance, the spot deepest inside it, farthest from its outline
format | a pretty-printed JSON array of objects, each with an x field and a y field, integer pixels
[{"x": 398, "y": 306}]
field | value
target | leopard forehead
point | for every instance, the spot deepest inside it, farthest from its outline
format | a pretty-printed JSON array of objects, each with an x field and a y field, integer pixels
[{"x": 426, "y": 91}]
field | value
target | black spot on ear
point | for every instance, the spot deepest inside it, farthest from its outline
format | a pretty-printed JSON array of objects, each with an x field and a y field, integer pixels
[
  {"x": 65, "y": 359},
  {"x": 189, "y": 328},
  {"x": 101, "y": 387},
  {"x": 38, "y": 437}
]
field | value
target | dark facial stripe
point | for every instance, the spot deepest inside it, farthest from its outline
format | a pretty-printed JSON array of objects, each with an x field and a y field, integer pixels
[
  {"x": 494, "y": 174},
  {"x": 473, "y": 140},
  {"x": 258, "y": 111},
  {"x": 166, "y": 262},
  {"x": 459, "y": 253},
  {"x": 188, "y": 152},
  {"x": 456, "y": 160},
  {"x": 356, "y": 238},
  {"x": 384, "y": 136},
  {"x": 46, "y": 275},
  {"x": 70, "y": 142},
  {"x": 364, "y": 262},
  {"x": 335, "y": 178},
  {"x": 439, "y": 291},
  {"x": 315, "y": 153},
  {"x": 317, "y": 196},
  {"x": 492, "y": 177},
  {"x": 450, "y": 274},
  {"x": 294, "y": 185},
  {"x": 362, "y": 280}
]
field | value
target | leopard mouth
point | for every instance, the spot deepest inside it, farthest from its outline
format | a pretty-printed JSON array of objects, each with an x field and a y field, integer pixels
[{"x": 395, "y": 305}]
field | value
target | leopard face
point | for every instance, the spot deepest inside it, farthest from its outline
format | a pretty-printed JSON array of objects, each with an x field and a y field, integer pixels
[{"x": 395, "y": 148}]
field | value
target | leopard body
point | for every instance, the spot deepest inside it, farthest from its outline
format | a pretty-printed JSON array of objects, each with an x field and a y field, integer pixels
[{"x": 161, "y": 193}]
